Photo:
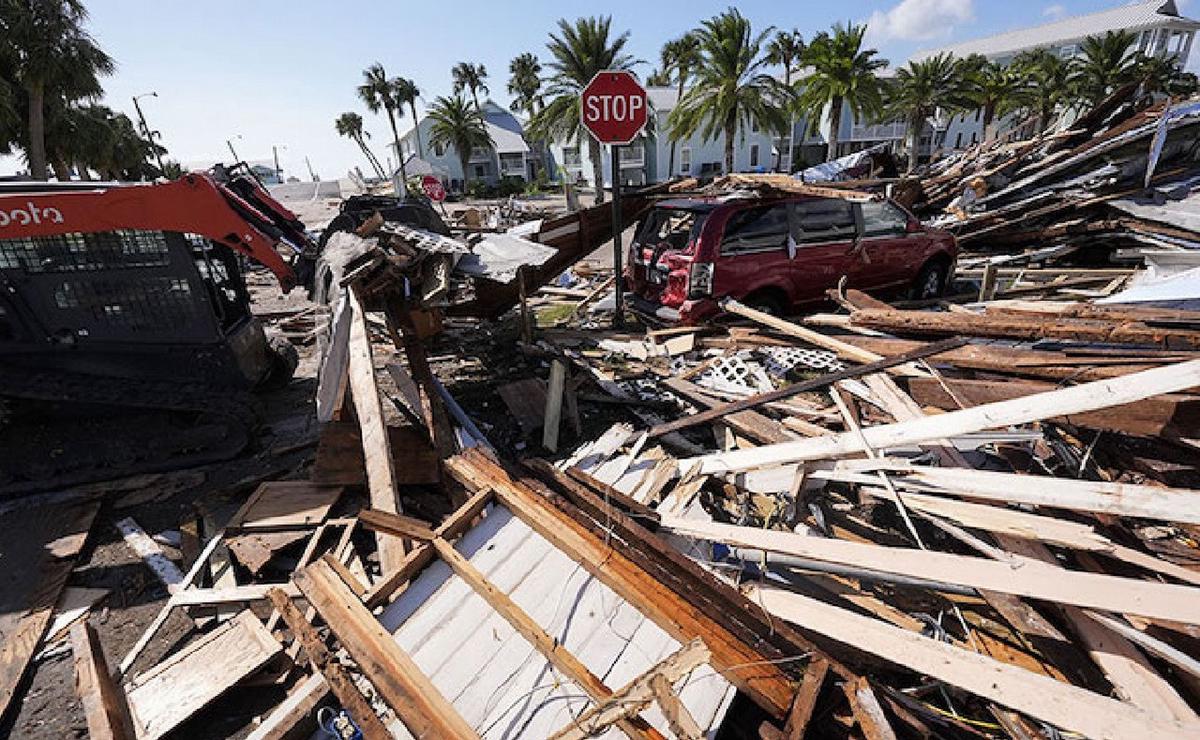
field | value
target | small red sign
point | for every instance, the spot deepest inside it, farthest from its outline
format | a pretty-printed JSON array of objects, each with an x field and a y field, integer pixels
[
  {"x": 613, "y": 107},
  {"x": 433, "y": 188}
]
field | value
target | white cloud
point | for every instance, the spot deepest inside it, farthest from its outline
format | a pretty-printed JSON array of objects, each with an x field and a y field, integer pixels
[
  {"x": 1055, "y": 12},
  {"x": 919, "y": 20}
]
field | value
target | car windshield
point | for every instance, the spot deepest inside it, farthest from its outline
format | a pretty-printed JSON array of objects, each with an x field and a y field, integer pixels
[{"x": 674, "y": 227}]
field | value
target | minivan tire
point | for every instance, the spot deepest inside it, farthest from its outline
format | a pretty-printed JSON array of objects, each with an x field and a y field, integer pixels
[
  {"x": 930, "y": 282},
  {"x": 767, "y": 303}
]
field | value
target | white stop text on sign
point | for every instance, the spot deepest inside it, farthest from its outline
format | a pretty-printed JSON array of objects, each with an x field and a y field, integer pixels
[{"x": 613, "y": 107}]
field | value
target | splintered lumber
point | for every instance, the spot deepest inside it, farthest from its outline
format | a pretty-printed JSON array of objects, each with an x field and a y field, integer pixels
[
  {"x": 336, "y": 676},
  {"x": 992, "y": 324},
  {"x": 39, "y": 547},
  {"x": 1164, "y": 415},
  {"x": 1075, "y": 400},
  {"x": 554, "y": 401},
  {"x": 718, "y": 412},
  {"x": 1102, "y": 497},
  {"x": 675, "y": 593},
  {"x": 520, "y": 621},
  {"x": 150, "y": 553},
  {"x": 815, "y": 338},
  {"x": 632, "y": 698},
  {"x": 806, "y": 699},
  {"x": 175, "y": 689},
  {"x": 681, "y": 722},
  {"x": 408, "y": 691},
  {"x": 104, "y": 705},
  {"x": 1062, "y": 705},
  {"x": 745, "y": 422},
  {"x": 1019, "y": 577},
  {"x": 377, "y": 452},
  {"x": 865, "y": 706}
]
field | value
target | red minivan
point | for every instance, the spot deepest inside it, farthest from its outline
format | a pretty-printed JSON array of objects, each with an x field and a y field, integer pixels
[{"x": 779, "y": 254}]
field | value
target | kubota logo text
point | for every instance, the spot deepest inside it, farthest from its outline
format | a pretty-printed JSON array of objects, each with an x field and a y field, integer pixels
[{"x": 30, "y": 214}]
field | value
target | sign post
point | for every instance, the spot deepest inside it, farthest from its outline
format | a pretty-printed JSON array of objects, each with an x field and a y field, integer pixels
[{"x": 613, "y": 110}]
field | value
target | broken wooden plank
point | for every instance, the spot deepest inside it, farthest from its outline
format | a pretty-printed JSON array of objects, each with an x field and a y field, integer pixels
[
  {"x": 44, "y": 541},
  {"x": 1062, "y": 705},
  {"x": 408, "y": 691},
  {"x": 806, "y": 699},
  {"x": 364, "y": 390},
  {"x": 680, "y": 721},
  {"x": 867, "y": 710},
  {"x": 553, "y": 410},
  {"x": 1077, "y": 399},
  {"x": 326, "y": 664},
  {"x": 286, "y": 504},
  {"x": 172, "y": 691},
  {"x": 151, "y": 554},
  {"x": 104, "y": 705},
  {"x": 1023, "y": 578}
]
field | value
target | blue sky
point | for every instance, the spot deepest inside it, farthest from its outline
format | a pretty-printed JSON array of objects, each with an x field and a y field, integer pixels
[{"x": 278, "y": 72}]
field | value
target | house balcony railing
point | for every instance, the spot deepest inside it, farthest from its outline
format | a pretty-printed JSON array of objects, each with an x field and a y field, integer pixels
[
  {"x": 893, "y": 130},
  {"x": 481, "y": 154},
  {"x": 632, "y": 156},
  {"x": 509, "y": 166}
]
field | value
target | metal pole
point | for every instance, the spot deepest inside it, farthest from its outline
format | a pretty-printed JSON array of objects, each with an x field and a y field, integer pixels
[
  {"x": 149, "y": 134},
  {"x": 619, "y": 315},
  {"x": 229, "y": 143},
  {"x": 278, "y": 171}
]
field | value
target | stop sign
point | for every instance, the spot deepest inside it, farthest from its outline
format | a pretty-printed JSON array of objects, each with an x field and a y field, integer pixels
[
  {"x": 613, "y": 107},
  {"x": 433, "y": 188}
]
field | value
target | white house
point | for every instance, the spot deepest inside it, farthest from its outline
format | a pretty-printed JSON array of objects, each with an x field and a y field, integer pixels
[
  {"x": 510, "y": 155},
  {"x": 1158, "y": 27}
]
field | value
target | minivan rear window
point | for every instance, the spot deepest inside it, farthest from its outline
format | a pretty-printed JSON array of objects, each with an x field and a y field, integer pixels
[{"x": 673, "y": 227}]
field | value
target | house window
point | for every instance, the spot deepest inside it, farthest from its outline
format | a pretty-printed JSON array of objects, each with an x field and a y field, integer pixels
[
  {"x": 978, "y": 112},
  {"x": 958, "y": 140},
  {"x": 754, "y": 155},
  {"x": 438, "y": 149},
  {"x": 480, "y": 170},
  {"x": 512, "y": 164},
  {"x": 685, "y": 160},
  {"x": 1068, "y": 51},
  {"x": 974, "y": 136},
  {"x": 753, "y": 125},
  {"x": 571, "y": 159}
]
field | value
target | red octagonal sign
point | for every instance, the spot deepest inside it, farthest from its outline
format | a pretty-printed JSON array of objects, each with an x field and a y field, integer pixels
[{"x": 613, "y": 107}]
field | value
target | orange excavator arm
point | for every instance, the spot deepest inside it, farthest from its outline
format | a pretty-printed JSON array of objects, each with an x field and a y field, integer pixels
[{"x": 248, "y": 220}]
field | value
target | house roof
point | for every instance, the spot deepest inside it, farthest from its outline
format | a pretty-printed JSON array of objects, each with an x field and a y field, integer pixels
[
  {"x": 506, "y": 141},
  {"x": 1134, "y": 17}
]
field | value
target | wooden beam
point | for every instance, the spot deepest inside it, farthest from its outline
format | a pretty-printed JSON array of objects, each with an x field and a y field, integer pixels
[
  {"x": 104, "y": 705},
  {"x": 1021, "y": 577},
  {"x": 718, "y": 411},
  {"x": 1062, "y": 705},
  {"x": 1078, "y": 399},
  {"x": 336, "y": 676},
  {"x": 867, "y": 710},
  {"x": 377, "y": 452},
  {"x": 408, "y": 691},
  {"x": 679, "y": 719},
  {"x": 806, "y": 699},
  {"x": 632, "y": 698},
  {"x": 554, "y": 399},
  {"x": 396, "y": 525}
]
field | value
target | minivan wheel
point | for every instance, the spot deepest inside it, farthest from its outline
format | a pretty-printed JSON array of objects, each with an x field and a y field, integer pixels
[
  {"x": 766, "y": 303},
  {"x": 930, "y": 282}
]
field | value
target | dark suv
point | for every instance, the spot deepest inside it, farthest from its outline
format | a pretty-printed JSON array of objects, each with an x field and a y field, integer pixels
[{"x": 779, "y": 254}]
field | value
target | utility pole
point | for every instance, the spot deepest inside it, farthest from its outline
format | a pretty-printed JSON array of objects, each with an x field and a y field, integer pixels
[
  {"x": 312, "y": 174},
  {"x": 146, "y": 130},
  {"x": 229, "y": 143},
  {"x": 275, "y": 153}
]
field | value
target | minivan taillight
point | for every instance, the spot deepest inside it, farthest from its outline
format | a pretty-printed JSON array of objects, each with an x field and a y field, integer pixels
[{"x": 700, "y": 280}]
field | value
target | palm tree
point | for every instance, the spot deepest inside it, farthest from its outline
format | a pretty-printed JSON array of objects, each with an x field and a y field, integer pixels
[
  {"x": 658, "y": 78},
  {"x": 785, "y": 50},
  {"x": 920, "y": 88},
  {"x": 471, "y": 77},
  {"x": 730, "y": 89},
  {"x": 1161, "y": 76},
  {"x": 843, "y": 76},
  {"x": 680, "y": 56},
  {"x": 407, "y": 93},
  {"x": 458, "y": 124},
  {"x": 1104, "y": 64},
  {"x": 350, "y": 125},
  {"x": 1047, "y": 78},
  {"x": 525, "y": 83},
  {"x": 51, "y": 55},
  {"x": 996, "y": 90},
  {"x": 380, "y": 92},
  {"x": 580, "y": 51}
]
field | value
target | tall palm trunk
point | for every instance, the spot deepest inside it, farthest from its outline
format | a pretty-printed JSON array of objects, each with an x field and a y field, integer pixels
[
  {"x": 671, "y": 160},
  {"x": 417, "y": 129},
  {"x": 730, "y": 132},
  {"x": 62, "y": 170},
  {"x": 464, "y": 160},
  {"x": 787, "y": 82},
  {"x": 835, "y": 127},
  {"x": 371, "y": 159},
  {"x": 597, "y": 155},
  {"x": 915, "y": 124},
  {"x": 396, "y": 137},
  {"x": 37, "y": 129},
  {"x": 989, "y": 112}
]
